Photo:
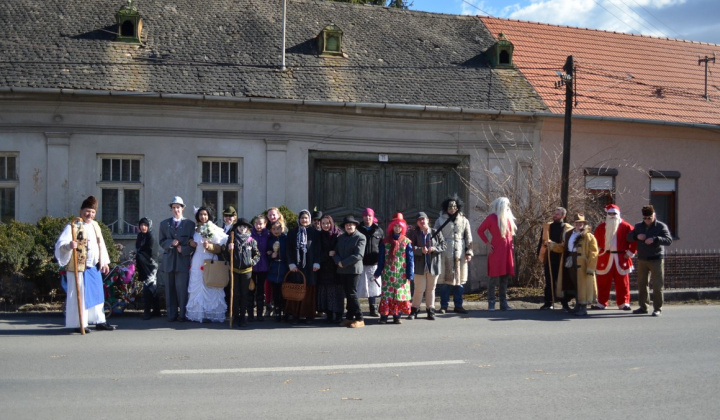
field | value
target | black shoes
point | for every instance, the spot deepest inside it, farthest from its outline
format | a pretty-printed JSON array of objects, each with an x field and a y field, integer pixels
[
  {"x": 460, "y": 310},
  {"x": 657, "y": 312},
  {"x": 79, "y": 330},
  {"x": 547, "y": 307},
  {"x": 104, "y": 327},
  {"x": 640, "y": 311}
]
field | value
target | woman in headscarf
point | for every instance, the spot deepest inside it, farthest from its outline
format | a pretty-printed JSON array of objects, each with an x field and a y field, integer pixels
[
  {"x": 331, "y": 293},
  {"x": 303, "y": 252},
  {"x": 501, "y": 265},
  {"x": 147, "y": 268},
  {"x": 396, "y": 267}
]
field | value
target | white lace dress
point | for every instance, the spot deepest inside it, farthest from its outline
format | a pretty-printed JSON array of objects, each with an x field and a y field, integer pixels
[{"x": 205, "y": 303}]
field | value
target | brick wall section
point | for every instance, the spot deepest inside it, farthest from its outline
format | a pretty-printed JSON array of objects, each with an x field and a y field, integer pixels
[{"x": 688, "y": 269}]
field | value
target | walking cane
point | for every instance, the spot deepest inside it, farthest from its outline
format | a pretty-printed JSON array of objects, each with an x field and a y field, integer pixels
[
  {"x": 77, "y": 282},
  {"x": 552, "y": 279},
  {"x": 232, "y": 277}
]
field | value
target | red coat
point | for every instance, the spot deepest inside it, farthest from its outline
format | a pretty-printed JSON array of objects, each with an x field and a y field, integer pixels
[
  {"x": 606, "y": 259},
  {"x": 500, "y": 260}
]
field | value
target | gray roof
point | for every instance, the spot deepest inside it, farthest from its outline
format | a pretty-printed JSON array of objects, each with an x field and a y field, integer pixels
[{"x": 233, "y": 48}]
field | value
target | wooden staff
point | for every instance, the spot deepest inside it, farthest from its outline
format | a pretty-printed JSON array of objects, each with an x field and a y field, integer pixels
[
  {"x": 77, "y": 281},
  {"x": 232, "y": 277},
  {"x": 552, "y": 279}
]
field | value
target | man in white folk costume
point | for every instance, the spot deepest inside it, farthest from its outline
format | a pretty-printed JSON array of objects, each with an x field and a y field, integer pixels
[{"x": 84, "y": 237}]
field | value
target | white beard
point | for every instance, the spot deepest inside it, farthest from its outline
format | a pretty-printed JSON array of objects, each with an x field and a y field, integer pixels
[{"x": 611, "y": 227}]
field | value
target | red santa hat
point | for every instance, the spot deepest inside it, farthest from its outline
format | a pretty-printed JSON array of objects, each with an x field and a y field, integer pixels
[{"x": 612, "y": 208}]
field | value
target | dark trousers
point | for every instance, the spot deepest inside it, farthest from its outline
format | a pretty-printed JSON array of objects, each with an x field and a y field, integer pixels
[
  {"x": 278, "y": 300},
  {"x": 151, "y": 300},
  {"x": 257, "y": 296},
  {"x": 550, "y": 282},
  {"x": 241, "y": 294},
  {"x": 176, "y": 293},
  {"x": 349, "y": 282}
]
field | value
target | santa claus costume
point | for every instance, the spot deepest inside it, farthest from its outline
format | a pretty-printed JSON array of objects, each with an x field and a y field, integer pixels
[{"x": 614, "y": 261}]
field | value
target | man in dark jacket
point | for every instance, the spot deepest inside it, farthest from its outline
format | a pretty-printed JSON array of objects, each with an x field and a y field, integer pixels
[
  {"x": 652, "y": 237},
  {"x": 348, "y": 257}
]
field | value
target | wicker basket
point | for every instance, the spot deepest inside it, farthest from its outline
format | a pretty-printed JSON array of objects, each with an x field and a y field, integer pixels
[{"x": 294, "y": 291}]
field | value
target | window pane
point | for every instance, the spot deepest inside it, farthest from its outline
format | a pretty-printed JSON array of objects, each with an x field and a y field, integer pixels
[
  {"x": 215, "y": 176},
  {"x": 125, "y": 170},
  {"x": 135, "y": 170},
  {"x": 115, "y": 170},
  {"x": 110, "y": 209},
  {"x": 11, "y": 170},
  {"x": 664, "y": 204},
  {"x": 106, "y": 170},
  {"x": 206, "y": 172},
  {"x": 233, "y": 172},
  {"x": 3, "y": 167},
  {"x": 225, "y": 173},
  {"x": 7, "y": 204},
  {"x": 210, "y": 199},
  {"x": 131, "y": 208}
]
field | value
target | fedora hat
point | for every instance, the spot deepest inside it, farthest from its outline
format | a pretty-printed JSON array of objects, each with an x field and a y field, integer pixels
[
  {"x": 177, "y": 200},
  {"x": 350, "y": 219},
  {"x": 579, "y": 218}
]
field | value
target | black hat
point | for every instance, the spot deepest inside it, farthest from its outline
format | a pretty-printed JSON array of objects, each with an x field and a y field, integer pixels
[
  {"x": 146, "y": 221},
  {"x": 422, "y": 215},
  {"x": 242, "y": 221},
  {"x": 350, "y": 219},
  {"x": 317, "y": 215}
]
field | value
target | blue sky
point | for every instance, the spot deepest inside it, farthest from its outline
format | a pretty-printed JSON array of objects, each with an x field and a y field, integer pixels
[{"x": 693, "y": 20}]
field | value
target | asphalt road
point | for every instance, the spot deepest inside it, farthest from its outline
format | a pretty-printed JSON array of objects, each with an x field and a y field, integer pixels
[{"x": 514, "y": 365}]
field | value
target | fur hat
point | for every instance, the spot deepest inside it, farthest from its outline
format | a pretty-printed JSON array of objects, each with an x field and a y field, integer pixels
[
  {"x": 648, "y": 210},
  {"x": 446, "y": 203},
  {"x": 90, "y": 203}
]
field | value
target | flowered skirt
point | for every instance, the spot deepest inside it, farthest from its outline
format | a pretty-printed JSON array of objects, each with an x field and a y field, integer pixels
[{"x": 396, "y": 297}]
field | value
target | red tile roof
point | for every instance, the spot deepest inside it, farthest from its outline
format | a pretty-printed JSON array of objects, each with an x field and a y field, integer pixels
[{"x": 617, "y": 74}]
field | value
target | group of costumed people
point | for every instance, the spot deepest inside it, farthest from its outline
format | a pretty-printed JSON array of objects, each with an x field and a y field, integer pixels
[{"x": 342, "y": 264}]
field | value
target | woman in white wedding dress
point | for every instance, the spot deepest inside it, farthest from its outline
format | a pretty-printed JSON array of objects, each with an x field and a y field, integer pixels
[{"x": 205, "y": 303}]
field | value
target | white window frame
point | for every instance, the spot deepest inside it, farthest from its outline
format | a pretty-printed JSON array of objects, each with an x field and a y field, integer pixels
[
  {"x": 234, "y": 185},
  {"x": 125, "y": 228},
  {"x": 10, "y": 181}
]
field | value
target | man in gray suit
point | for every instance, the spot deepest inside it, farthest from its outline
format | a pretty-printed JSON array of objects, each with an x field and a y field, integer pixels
[{"x": 176, "y": 233}]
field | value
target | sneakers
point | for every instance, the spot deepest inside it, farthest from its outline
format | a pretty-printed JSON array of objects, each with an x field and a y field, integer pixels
[
  {"x": 396, "y": 319},
  {"x": 597, "y": 306},
  {"x": 657, "y": 312},
  {"x": 640, "y": 311},
  {"x": 357, "y": 324},
  {"x": 443, "y": 310},
  {"x": 505, "y": 307},
  {"x": 625, "y": 307},
  {"x": 491, "y": 306},
  {"x": 547, "y": 307}
]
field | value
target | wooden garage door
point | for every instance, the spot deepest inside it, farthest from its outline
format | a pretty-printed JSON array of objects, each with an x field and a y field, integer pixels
[{"x": 343, "y": 187}]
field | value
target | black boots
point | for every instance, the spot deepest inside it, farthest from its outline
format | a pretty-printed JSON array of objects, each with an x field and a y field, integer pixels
[
  {"x": 374, "y": 310},
  {"x": 431, "y": 314},
  {"x": 413, "y": 313}
]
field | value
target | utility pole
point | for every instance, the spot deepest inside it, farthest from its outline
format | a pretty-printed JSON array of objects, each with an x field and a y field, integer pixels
[
  {"x": 706, "y": 60},
  {"x": 567, "y": 78}
]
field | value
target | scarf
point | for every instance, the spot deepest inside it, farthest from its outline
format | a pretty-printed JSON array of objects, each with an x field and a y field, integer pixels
[
  {"x": 301, "y": 241},
  {"x": 395, "y": 242}
]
